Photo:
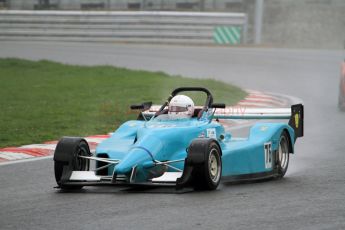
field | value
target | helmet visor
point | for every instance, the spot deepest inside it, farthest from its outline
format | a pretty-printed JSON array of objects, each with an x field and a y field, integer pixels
[{"x": 177, "y": 109}]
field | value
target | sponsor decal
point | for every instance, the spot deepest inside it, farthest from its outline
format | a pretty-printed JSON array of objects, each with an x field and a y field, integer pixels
[
  {"x": 263, "y": 128},
  {"x": 233, "y": 110},
  {"x": 297, "y": 120},
  {"x": 211, "y": 133},
  {"x": 162, "y": 126},
  {"x": 132, "y": 124}
]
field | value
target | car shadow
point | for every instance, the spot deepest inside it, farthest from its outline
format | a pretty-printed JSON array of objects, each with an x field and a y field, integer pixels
[
  {"x": 248, "y": 181},
  {"x": 128, "y": 190},
  {"x": 147, "y": 189}
]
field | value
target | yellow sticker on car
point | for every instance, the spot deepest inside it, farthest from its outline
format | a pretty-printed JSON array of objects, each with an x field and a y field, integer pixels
[{"x": 297, "y": 120}]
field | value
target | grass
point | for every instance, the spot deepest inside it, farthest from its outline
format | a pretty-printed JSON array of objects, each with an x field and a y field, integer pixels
[{"x": 44, "y": 100}]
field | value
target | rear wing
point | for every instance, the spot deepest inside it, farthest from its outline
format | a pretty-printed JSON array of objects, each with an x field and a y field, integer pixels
[{"x": 295, "y": 114}]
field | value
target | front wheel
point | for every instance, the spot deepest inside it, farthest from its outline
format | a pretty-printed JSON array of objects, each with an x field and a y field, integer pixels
[
  {"x": 67, "y": 158},
  {"x": 283, "y": 154},
  {"x": 207, "y": 174}
]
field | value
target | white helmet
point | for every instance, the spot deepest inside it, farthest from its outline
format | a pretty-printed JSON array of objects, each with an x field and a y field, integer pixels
[{"x": 181, "y": 106}]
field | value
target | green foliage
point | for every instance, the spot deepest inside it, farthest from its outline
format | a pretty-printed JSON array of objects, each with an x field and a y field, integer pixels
[{"x": 45, "y": 100}]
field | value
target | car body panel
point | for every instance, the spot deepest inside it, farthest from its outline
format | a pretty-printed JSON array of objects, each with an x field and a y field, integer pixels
[
  {"x": 252, "y": 149},
  {"x": 169, "y": 140}
]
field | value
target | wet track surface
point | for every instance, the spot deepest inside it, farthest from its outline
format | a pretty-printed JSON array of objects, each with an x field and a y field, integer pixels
[{"x": 311, "y": 196}]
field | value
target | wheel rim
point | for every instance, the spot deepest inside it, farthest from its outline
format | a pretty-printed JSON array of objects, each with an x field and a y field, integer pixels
[
  {"x": 80, "y": 163},
  {"x": 214, "y": 165},
  {"x": 283, "y": 153}
]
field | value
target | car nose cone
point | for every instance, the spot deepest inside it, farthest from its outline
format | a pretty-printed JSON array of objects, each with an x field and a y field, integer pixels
[{"x": 135, "y": 157}]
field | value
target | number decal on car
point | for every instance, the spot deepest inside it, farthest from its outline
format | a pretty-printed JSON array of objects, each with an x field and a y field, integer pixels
[{"x": 211, "y": 133}]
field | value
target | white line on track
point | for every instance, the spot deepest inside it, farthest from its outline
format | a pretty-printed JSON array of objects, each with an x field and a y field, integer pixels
[
  {"x": 25, "y": 160},
  {"x": 253, "y": 104},
  {"x": 14, "y": 156},
  {"x": 40, "y": 146}
]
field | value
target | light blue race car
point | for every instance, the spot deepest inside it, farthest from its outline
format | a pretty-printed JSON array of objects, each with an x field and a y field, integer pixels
[{"x": 193, "y": 150}]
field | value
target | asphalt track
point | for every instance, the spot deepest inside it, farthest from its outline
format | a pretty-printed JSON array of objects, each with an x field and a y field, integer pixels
[{"x": 311, "y": 196}]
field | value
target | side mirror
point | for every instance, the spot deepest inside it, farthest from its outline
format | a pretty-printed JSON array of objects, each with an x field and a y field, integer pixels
[
  {"x": 143, "y": 106},
  {"x": 218, "y": 105}
]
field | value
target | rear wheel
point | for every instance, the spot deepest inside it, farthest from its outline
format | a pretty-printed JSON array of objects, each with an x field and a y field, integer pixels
[
  {"x": 67, "y": 159},
  {"x": 283, "y": 154}
]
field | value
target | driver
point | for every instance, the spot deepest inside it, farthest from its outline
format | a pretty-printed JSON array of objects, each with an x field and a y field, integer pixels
[{"x": 181, "y": 106}]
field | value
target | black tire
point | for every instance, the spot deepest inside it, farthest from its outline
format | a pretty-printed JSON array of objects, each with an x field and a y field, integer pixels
[
  {"x": 58, "y": 168},
  {"x": 207, "y": 174},
  {"x": 66, "y": 160},
  {"x": 283, "y": 154}
]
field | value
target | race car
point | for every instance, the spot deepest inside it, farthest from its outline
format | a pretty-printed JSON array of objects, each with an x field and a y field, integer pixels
[
  {"x": 182, "y": 145},
  {"x": 341, "y": 97}
]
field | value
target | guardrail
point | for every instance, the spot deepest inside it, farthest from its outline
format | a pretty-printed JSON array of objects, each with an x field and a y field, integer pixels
[{"x": 112, "y": 26}]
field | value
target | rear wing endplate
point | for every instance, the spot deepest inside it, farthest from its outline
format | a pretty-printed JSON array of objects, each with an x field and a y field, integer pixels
[{"x": 297, "y": 120}]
